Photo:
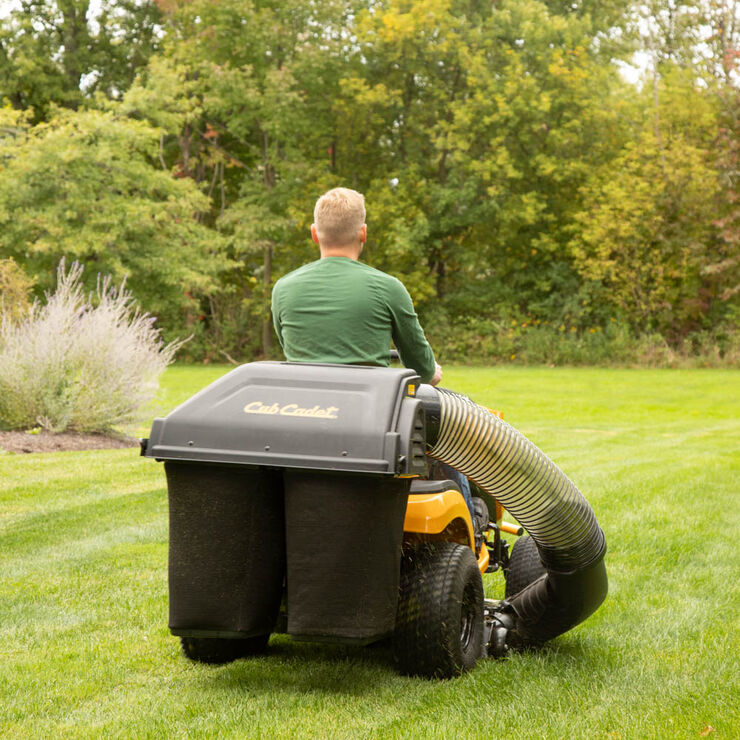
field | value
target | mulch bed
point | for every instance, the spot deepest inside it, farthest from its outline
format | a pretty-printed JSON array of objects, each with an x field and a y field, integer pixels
[{"x": 21, "y": 442}]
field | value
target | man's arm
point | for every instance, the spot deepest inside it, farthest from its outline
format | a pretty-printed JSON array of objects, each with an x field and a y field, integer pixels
[{"x": 408, "y": 336}]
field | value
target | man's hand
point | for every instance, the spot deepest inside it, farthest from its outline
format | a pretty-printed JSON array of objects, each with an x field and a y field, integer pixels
[{"x": 437, "y": 374}]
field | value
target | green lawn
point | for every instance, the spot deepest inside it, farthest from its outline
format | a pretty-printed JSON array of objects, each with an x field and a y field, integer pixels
[{"x": 85, "y": 650}]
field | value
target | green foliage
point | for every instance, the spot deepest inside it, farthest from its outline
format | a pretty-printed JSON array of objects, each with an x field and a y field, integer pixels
[
  {"x": 509, "y": 170},
  {"x": 243, "y": 111},
  {"x": 722, "y": 271},
  {"x": 15, "y": 289},
  {"x": 528, "y": 341},
  {"x": 61, "y": 52},
  {"x": 647, "y": 233},
  {"x": 481, "y": 126},
  {"x": 84, "y": 186}
]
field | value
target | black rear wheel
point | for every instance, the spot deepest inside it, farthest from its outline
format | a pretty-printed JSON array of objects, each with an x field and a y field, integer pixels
[
  {"x": 524, "y": 566},
  {"x": 219, "y": 650},
  {"x": 439, "y": 624}
]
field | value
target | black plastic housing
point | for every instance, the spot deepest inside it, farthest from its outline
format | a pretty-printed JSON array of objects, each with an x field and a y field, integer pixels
[{"x": 290, "y": 415}]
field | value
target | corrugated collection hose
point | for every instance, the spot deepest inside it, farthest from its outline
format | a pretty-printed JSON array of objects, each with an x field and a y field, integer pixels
[{"x": 544, "y": 501}]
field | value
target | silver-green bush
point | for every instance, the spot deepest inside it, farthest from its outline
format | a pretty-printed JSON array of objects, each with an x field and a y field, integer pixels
[{"x": 79, "y": 362}]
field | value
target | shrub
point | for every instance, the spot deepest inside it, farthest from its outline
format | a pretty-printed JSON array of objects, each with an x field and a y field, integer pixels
[
  {"x": 526, "y": 342},
  {"x": 79, "y": 362},
  {"x": 15, "y": 287}
]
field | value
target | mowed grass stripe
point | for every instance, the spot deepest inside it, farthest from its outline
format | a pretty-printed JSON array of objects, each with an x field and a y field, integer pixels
[
  {"x": 65, "y": 525},
  {"x": 24, "y": 515},
  {"x": 24, "y": 478}
]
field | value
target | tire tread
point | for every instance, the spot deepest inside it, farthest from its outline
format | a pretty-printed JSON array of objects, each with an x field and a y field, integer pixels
[
  {"x": 433, "y": 578},
  {"x": 524, "y": 567},
  {"x": 220, "y": 650}
]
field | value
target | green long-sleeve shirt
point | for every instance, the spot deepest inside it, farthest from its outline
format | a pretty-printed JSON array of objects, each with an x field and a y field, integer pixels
[{"x": 343, "y": 311}]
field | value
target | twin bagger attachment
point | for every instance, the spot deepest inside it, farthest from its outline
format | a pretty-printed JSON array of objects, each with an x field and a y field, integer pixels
[{"x": 299, "y": 504}]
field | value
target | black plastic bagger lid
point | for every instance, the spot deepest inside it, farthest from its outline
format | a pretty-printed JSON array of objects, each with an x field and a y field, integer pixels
[{"x": 299, "y": 415}]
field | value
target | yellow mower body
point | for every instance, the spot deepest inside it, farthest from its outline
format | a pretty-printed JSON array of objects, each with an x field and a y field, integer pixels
[{"x": 443, "y": 516}]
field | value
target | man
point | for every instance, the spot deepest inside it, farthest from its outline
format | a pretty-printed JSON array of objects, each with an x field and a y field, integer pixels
[{"x": 340, "y": 310}]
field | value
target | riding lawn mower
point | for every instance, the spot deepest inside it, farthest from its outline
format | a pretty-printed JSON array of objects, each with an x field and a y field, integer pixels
[{"x": 299, "y": 503}]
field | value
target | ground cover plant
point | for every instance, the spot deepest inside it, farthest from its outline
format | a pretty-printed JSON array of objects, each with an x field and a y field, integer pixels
[{"x": 85, "y": 650}]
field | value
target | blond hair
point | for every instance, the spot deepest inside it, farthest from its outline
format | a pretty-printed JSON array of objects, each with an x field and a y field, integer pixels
[{"x": 339, "y": 215}]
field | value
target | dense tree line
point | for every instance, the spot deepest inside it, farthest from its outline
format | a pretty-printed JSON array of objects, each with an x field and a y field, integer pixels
[{"x": 515, "y": 181}]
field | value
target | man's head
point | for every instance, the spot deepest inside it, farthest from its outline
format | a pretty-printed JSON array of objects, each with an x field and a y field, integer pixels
[{"x": 339, "y": 220}]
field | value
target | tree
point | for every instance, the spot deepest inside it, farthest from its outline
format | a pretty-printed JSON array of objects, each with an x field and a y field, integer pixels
[
  {"x": 241, "y": 94},
  {"x": 61, "y": 52},
  {"x": 645, "y": 234},
  {"x": 85, "y": 186},
  {"x": 471, "y": 127},
  {"x": 658, "y": 236}
]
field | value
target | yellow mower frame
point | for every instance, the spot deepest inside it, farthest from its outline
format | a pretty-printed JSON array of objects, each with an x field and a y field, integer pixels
[{"x": 444, "y": 516}]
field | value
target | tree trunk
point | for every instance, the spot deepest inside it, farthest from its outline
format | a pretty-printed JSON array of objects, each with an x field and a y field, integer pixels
[
  {"x": 74, "y": 38},
  {"x": 185, "y": 139},
  {"x": 270, "y": 179},
  {"x": 267, "y": 282}
]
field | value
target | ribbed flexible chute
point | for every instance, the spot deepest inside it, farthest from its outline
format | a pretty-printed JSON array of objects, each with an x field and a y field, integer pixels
[{"x": 544, "y": 501}]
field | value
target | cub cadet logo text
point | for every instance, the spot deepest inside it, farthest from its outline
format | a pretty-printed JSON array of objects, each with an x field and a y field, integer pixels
[{"x": 291, "y": 409}]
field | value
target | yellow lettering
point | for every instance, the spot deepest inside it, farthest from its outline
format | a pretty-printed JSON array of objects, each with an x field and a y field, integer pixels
[
  {"x": 257, "y": 407},
  {"x": 291, "y": 409}
]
